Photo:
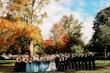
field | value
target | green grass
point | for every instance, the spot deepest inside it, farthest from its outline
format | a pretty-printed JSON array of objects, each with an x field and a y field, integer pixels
[
  {"x": 92, "y": 72},
  {"x": 101, "y": 67},
  {"x": 7, "y": 62},
  {"x": 101, "y": 64}
]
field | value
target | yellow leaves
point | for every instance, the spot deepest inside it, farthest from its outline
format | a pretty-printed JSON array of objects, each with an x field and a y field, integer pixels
[
  {"x": 35, "y": 50},
  {"x": 24, "y": 2},
  {"x": 40, "y": 21},
  {"x": 19, "y": 1},
  {"x": 18, "y": 16},
  {"x": 15, "y": 7},
  {"x": 34, "y": 32}
]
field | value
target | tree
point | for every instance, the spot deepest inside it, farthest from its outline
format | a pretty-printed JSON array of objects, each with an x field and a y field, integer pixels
[
  {"x": 104, "y": 37},
  {"x": 101, "y": 35},
  {"x": 47, "y": 42},
  {"x": 20, "y": 11},
  {"x": 28, "y": 11},
  {"x": 59, "y": 36},
  {"x": 16, "y": 37},
  {"x": 73, "y": 28}
]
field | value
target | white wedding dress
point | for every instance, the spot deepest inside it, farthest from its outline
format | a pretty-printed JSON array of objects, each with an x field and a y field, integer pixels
[{"x": 52, "y": 66}]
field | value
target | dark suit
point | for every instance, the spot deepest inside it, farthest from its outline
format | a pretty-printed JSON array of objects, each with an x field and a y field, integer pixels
[
  {"x": 57, "y": 62},
  {"x": 93, "y": 61},
  {"x": 79, "y": 60},
  {"x": 89, "y": 60},
  {"x": 82, "y": 60},
  {"x": 85, "y": 61},
  {"x": 75, "y": 61}
]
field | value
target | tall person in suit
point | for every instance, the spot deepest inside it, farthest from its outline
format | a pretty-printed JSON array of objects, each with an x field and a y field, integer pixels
[
  {"x": 57, "y": 61},
  {"x": 82, "y": 60},
  {"x": 85, "y": 61},
  {"x": 93, "y": 61}
]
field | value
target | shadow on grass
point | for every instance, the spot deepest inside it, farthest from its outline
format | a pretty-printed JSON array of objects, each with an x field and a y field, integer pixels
[{"x": 101, "y": 64}]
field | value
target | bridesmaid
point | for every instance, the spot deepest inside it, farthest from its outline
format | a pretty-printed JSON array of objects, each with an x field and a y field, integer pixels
[
  {"x": 42, "y": 64},
  {"x": 36, "y": 63},
  {"x": 46, "y": 62},
  {"x": 23, "y": 63},
  {"x": 29, "y": 64},
  {"x": 20, "y": 65},
  {"x": 17, "y": 64}
]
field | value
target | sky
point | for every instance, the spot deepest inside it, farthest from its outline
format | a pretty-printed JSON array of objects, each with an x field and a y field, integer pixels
[{"x": 83, "y": 10}]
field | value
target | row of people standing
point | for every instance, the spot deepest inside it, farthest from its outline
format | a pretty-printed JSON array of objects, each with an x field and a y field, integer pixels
[
  {"x": 72, "y": 61},
  {"x": 26, "y": 63}
]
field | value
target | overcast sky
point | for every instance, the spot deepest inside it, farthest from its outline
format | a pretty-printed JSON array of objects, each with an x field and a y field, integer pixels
[{"x": 83, "y": 10}]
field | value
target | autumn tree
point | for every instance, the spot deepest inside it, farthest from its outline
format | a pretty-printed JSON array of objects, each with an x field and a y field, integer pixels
[
  {"x": 29, "y": 11},
  {"x": 47, "y": 42},
  {"x": 73, "y": 27},
  {"x": 20, "y": 11},
  {"x": 59, "y": 37},
  {"x": 15, "y": 37}
]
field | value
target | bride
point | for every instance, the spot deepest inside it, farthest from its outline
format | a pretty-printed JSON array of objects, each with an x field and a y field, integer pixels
[{"x": 52, "y": 66}]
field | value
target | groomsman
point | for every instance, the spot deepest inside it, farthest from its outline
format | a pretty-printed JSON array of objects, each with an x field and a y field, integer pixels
[
  {"x": 62, "y": 62},
  {"x": 75, "y": 61},
  {"x": 57, "y": 61},
  {"x": 89, "y": 60},
  {"x": 93, "y": 60},
  {"x": 79, "y": 60},
  {"x": 82, "y": 60},
  {"x": 85, "y": 61},
  {"x": 68, "y": 61}
]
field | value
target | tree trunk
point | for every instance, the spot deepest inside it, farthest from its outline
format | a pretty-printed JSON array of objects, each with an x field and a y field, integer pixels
[{"x": 105, "y": 50}]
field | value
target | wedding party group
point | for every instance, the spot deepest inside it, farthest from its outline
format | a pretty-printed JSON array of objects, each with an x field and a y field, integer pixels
[{"x": 55, "y": 62}]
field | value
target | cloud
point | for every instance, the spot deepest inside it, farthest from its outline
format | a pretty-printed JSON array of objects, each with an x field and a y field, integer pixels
[
  {"x": 87, "y": 30},
  {"x": 65, "y": 7},
  {"x": 55, "y": 12}
]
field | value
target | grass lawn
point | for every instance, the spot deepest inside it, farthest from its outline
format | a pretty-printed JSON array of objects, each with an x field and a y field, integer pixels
[
  {"x": 102, "y": 64},
  {"x": 101, "y": 67},
  {"x": 7, "y": 62}
]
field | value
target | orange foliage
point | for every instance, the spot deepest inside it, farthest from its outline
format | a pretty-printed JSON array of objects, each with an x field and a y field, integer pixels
[
  {"x": 18, "y": 4},
  {"x": 47, "y": 42},
  {"x": 9, "y": 31},
  {"x": 61, "y": 36},
  {"x": 15, "y": 7}
]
